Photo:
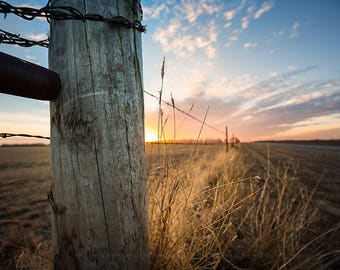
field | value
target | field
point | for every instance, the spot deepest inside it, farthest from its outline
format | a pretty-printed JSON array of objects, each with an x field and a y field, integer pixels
[
  {"x": 314, "y": 163},
  {"x": 207, "y": 209}
]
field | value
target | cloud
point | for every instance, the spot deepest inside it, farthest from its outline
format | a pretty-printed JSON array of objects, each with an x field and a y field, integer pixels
[
  {"x": 254, "y": 109},
  {"x": 227, "y": 25},
  {"x": 211, "y": 52},
  {"x": 233, "y": 38},
  {"x": 230, "y": 14},
  {"x": 29, "y": 6},
  {"x": 155, "y": 11},
  {"x": 265, "y": 7},
  {"x": 246, "y": 19},
  {"x": 311, "y": 125},
  {"x": 245, "y": 22},
  {"x": 279, "y": 33},
  {"x": 193, "y": 10},
  {"x": 37, "y": 37},
  {"x": 178, "y": 41},
  {"x": 295, "y": 30},
  {"x": 30, "y": 57},
  {"x": 249, "y": 45},
  {"x": 273, "y": 74},
  {"x": 283, "y": 98}
]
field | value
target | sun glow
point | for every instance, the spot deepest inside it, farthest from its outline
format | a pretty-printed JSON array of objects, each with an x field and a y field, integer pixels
[{"x": 150, "y": 135}]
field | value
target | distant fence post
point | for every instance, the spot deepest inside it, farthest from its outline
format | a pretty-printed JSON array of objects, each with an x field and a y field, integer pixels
[
  {"x": 232, "y": 141},
  {"x": 226, "y": 139},
  {"x": 99, "y": 202}
]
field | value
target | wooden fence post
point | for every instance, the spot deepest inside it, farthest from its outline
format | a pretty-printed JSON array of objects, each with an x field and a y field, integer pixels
[
  {"x": 226, "y": 139},
  {"x": 99, "y": 196}
]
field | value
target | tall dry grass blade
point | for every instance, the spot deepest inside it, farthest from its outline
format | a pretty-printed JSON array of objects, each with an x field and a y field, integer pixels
[
  {"x": 308, "y": 244},
  {"x": 160, "y": 100},
  {"x": 174, "y": 116},
  {"x": 203, "y": 123},
  {"x": 186, "y": 116}
]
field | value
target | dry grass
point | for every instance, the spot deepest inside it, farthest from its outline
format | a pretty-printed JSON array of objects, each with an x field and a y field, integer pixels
[
  {"x": 217, "y": 212},
  {"x": 207, "y": 210},
  {"x": 24, "y": 211}
]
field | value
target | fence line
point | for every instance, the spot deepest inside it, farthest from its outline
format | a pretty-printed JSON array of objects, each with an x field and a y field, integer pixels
[{"x": 7, "y": 135}]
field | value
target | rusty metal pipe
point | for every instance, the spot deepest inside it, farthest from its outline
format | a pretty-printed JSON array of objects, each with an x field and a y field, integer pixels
[{"x": 25, "y": 79}]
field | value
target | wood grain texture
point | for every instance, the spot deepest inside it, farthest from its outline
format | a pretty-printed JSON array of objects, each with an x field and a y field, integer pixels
[{"x": 97, "y": 141}]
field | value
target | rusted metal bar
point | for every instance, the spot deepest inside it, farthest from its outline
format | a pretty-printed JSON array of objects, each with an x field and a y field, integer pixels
[{"x": 25, "y": 79}]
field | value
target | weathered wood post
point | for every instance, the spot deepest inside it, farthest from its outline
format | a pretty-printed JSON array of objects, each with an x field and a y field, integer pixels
[
  {"x": 99, "y": 217},
  {"x": 226, "y": 139}
]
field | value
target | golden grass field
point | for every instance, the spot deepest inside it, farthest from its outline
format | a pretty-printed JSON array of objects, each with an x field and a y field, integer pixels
[{"x": 207, "y": 209}]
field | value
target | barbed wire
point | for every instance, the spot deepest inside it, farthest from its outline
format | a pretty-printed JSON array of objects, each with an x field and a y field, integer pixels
[
  {"x": 13, "y": 39},
  {"x": 184, "y": 112},
  {"x": 69, "y": 13},
  {"x": 7, "y": 135}
]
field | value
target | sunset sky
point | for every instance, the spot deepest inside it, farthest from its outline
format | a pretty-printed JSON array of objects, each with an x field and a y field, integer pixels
[{"x": 267, "y": 69}]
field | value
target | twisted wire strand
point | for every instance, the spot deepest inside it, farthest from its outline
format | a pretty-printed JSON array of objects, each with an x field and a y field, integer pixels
[
  {"x": 13, "y": 39},
  {"x": 70, "y": 13},
  {"x": 7, "y": 135}
]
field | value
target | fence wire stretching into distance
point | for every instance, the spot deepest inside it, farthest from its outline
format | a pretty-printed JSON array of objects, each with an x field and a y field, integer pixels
[{"x": 71, "y": 13}]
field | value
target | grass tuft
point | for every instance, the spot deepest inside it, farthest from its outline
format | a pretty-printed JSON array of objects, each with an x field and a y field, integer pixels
[{"x": 222, "y": 212}]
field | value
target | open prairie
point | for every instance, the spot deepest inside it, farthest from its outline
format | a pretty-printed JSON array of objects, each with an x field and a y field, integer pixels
[
  {"x": 317, "y": 165},
  {"x": 258, "y": 207}
]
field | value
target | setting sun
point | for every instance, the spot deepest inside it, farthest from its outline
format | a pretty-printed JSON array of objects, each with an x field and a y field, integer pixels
[{"x": 150, "y": 135}]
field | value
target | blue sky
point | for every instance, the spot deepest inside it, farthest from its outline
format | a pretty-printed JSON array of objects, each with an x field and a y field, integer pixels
[{"x": 267, "y": 69}]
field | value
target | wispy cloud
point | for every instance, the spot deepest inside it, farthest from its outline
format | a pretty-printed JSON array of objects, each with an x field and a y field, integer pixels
[
  {"x": 249, "y": 45},
  {"x": 230, "y": 14},
  {"x": 192, "y": 27},
  {"x": 178, "y": 40},
  {"x": 256, "y": 109},
  {"x": 154, "y": 11},
  {"x": 37, "y": 37},
  {"x": 273, "y": 74},
  {"x": 246, "y": 19},
  {"x": 278, "y": 33},
  {"x": 311, "y": 126},
  {"x": 28, "y": 5},
  {"x": 30, "y": 57},
  {"x": 295, "y": 30},
  {"x": 265, "y": 7},
  {"x": 193, "y": 10}
]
